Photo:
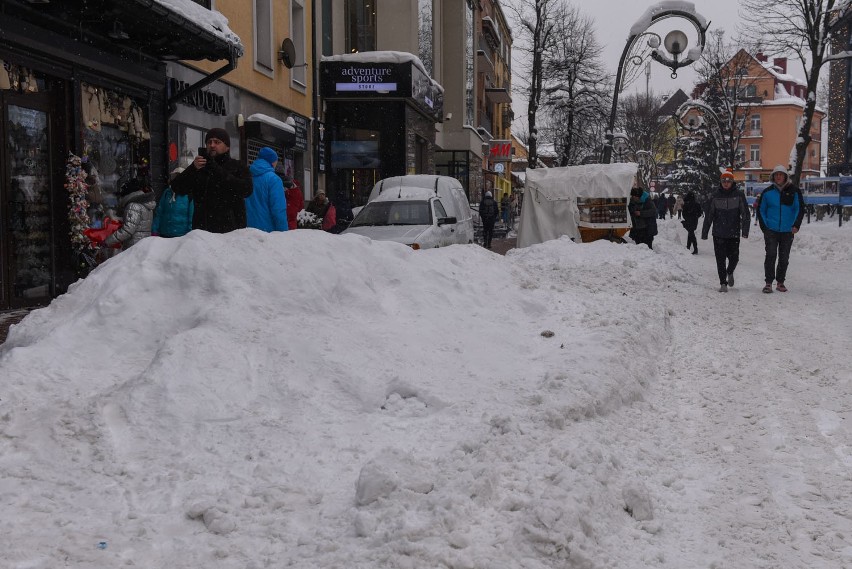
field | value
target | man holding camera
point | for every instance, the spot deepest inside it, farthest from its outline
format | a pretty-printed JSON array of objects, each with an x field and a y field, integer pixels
[{"x": 217, "y": 184}]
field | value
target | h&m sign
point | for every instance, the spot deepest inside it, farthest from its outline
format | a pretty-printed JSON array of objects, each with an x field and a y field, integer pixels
[
  {"x": 203, "y": 100},
  {"x": 500, "y": 150}
]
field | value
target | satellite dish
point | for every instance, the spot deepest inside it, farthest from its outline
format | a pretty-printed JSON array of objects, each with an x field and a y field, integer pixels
[{"x": 287, "y": 53}]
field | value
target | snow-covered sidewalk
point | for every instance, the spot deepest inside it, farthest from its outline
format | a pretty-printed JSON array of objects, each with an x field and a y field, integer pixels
[{"x": 310, "y": 400}]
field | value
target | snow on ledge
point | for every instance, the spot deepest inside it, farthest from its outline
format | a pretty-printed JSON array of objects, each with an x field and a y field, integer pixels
[
  {"x": 644, "y": 21},
  {"x": 210, "y": 20},
  {"x": 259, "y": 117}
]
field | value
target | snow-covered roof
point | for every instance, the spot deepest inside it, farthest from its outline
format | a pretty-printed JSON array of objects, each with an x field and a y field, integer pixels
[
  {"x": 773, "y": 69},
  {"x": 210, "y": 20}
]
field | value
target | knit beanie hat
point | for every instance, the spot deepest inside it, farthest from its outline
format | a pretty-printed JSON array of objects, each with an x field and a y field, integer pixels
[
  {"x": 219, "y": 133},
  {"x": 268, "y": 154},
  {"x": 727, "y": 175}
]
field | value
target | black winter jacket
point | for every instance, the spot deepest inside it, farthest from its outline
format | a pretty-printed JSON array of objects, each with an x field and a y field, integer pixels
[
  {"x": 489, "y": 211},
  {"x": 691, "y": 212},
  {"x": 218, "y": 191},
  {"x": 728, "y": 213}
]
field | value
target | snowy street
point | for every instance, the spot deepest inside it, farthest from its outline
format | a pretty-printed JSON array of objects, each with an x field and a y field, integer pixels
[{"x": 307, "y": 400}]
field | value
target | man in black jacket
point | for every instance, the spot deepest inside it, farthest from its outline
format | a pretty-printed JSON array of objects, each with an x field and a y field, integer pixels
[
  {"x": 488, "y": 212},
  {"x": 730, "y": 216},
  {"x": 217, "y": 184}
]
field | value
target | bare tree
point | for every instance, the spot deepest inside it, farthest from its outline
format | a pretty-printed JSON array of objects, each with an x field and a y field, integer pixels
[
  {"x": 726, "y": 88},
  {"x": 537, "y": 24},
  {"x": 645, "y": 130},
  {"x": 803, "y": 28},
  {"x": 575, "y": 98}
]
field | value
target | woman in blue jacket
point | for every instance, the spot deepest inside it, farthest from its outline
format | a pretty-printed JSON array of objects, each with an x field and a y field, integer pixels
[
  {"x": 266, "y": 207},
  {"x": 780, "y": 215}
]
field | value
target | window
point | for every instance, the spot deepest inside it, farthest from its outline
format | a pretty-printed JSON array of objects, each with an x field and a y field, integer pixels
[
  {"x": 440, "y": 212},
  {"x": 263, "y": 50},
  {"x": 327, "y": 28},
  {"x": 360, "y": 25},
  {"x": 741, "y": 153},
  {"x": 754, "y": 153},
  {"x": 755, "y": 122},
  {"x": 298, "y": 74}
]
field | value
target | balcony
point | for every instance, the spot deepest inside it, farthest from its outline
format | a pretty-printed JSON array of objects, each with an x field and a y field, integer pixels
[
  {"x": 753, "y": 164},
  {"x": 498, "y": 95},
  {"x": 484, "y": 63},
  {"x": 753, "y": 133}
]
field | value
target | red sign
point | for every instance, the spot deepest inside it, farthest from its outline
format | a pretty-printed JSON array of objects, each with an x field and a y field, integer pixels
[{"x": 500, "y": 150}]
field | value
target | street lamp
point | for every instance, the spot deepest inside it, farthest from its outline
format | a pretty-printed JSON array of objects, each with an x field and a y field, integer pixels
[{"x": 670, "y": 55}]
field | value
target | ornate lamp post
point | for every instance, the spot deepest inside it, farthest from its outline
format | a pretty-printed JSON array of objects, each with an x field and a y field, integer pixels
[{"x": 675, "y": 45}]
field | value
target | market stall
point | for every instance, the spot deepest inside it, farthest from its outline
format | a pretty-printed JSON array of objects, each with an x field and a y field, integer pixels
[{"x": 585, "y": 203}]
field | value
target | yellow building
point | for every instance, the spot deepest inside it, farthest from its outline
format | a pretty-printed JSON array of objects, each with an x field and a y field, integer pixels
[{"x": 266, "y": 100}]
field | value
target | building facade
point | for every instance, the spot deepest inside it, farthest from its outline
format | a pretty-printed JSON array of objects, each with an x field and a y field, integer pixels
[
  {"x": 402, "y": 92},
  {"x": 775, "y": 102},
  {"x": 75, "y": 83}
]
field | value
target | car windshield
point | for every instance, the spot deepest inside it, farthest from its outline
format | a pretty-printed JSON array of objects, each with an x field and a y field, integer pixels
[{"x": 394, "y": 213}]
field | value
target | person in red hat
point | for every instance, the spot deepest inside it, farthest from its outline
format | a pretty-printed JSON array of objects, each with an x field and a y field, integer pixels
[
  {"x": 217, "y": 184},
  {"x": 729, "y": 215}
]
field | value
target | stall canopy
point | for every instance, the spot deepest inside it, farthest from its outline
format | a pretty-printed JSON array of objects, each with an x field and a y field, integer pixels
[
  {"x": 156, "y": 29},
  {"x": 550, "y": 209}
]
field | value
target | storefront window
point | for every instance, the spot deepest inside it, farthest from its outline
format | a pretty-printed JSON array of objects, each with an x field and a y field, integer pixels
[
  {"x": 455, "y": 165},
  {"x": 28, "y": 201},
  {"x": 116, "y": 153},
  {"x": 184, "y": 142},
  {"x": 360, "y": 25}
]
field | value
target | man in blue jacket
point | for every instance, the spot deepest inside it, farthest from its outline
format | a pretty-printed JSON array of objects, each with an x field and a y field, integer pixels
[
  {"x": 780, "y": 215},
  {"x": 266, "y": 207}
]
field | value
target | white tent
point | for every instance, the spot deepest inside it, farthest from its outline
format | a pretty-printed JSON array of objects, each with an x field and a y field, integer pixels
[{"x": 550, "y": 209}]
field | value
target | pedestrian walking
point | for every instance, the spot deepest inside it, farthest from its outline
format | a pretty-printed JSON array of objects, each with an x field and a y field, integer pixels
[
  {"x": 729, "y": 216},
  {"x": 662, "y": 204},
  {"x": 643, "y": 217},
  {"x": 266, "y": 207},
  {"x": 780, "y": 211},
  {"x": 679, "y": 206},
  {"x": 488, "y": 212},
  {"x": 217, "y": 184},
  {"x": 691, "y": 213}
]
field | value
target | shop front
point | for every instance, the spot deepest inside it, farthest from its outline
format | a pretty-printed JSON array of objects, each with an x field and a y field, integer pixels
[
  {"x": 381, "y": 110},
  {"x": 251, "y": 123},
  {"x": 72, "y": 84}
]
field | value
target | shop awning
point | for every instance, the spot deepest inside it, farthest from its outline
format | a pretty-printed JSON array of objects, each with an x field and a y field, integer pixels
[{"x": 156, "y": 29}]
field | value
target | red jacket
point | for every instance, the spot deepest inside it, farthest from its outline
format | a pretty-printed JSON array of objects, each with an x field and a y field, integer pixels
[{"x": 295, "y": 204}]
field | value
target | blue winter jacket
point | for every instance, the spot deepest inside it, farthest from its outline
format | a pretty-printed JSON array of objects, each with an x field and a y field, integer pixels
[
  {"x": 173, "y": 216},
  {"x": 781, "y": 209},
  {"x": 266, "y": 207}
]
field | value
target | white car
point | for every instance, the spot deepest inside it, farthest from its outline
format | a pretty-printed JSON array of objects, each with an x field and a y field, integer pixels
[{"x": 421, "y": 211}]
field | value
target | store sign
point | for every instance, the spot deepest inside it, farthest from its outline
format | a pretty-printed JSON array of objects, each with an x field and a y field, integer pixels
[
  {"x": 206, "y": 101},
  {"x": 320, "y": 146},
  {"x": 366, "y": 80},
  {"x": 500, "y": 150},
  {"x": 301, "y": 127},
  {"x": 358, "y": 78}
]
